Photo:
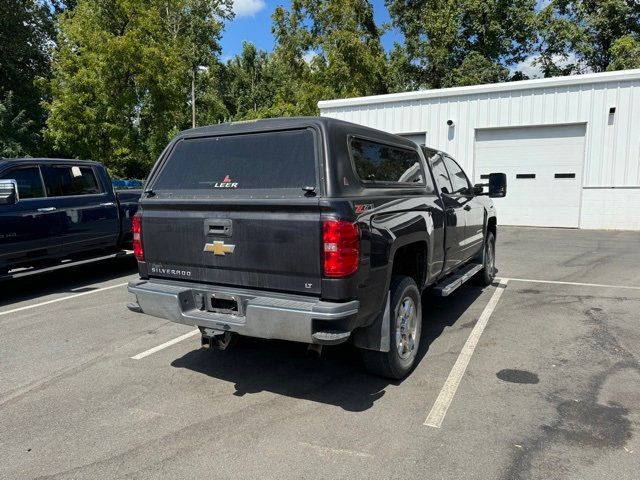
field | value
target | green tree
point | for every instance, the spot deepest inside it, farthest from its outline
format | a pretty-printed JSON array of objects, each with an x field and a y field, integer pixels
[
  {"x": 588, "y": 35},
  {"x": 251, "y": 80},
  {"x": 449, "y": 39},
  {"x": 62, "y": 5},
  {"x": 26, "y": 33},
  {"x": 402, "y": 74},
  {"x": 433, "y": 37},
  {"x": 16, "y": 129},
  {"x": 122, "y": 75},
  {"x": 625, "y": 53},
  {"x": 326, "y": 49},
  {"x": 476, "y": 69}
]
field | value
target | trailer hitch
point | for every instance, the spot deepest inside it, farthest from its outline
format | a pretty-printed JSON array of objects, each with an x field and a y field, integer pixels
[{"x": 215, "y": 339}]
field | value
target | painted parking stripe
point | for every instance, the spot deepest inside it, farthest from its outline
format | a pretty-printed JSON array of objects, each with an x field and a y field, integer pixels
[
  {"x": 56, "y": 300},
  {"x": 555, "y": 282},
  {"x": 146, "y": 353},
  {"x": 440, "y": 407}
]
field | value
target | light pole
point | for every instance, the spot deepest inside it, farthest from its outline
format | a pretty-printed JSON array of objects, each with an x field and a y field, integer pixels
[{"x": 193, "y": 98}]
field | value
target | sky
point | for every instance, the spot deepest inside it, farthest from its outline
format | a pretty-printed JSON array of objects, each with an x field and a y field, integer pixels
[{"x": 252, "y": 23}]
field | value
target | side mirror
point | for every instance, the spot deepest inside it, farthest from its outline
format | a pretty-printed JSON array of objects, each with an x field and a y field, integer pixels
[
  {"x": 497, "y": 185},
  {"x": 8, "y": 192}
]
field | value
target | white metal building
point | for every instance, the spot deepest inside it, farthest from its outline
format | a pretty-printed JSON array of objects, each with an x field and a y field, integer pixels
[{"x": 570, "y": 146}]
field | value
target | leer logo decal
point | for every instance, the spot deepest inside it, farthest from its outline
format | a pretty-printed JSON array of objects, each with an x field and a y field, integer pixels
[
  {"x": 226, "y": 183},
  {"x": 219, "y": 248}
]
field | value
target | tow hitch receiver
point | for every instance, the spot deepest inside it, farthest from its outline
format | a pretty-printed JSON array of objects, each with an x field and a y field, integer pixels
[{"x": 215, "y": 339}]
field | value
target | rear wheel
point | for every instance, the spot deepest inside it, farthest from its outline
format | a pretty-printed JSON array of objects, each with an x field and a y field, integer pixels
[
  {"x": 488, "y": 272},
  {"x": 405, "y": 329}
]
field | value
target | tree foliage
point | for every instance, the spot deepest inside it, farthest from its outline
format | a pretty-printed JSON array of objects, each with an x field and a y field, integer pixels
[
  {"x": 448, "y": 40},
  {"x": 26, "y": 32},
  {"x": 17, "y": 134},
  {"x": 588, "y": 35},
  {"x": 625, "y": 53},
  {"x": 122, "y": 75},
  {"x": 329, "y": 49}
]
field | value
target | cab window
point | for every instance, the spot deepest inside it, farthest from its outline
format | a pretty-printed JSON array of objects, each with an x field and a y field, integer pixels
[
  {"x": 29, "y": 182},
  {"x": 380, "y": 163}
]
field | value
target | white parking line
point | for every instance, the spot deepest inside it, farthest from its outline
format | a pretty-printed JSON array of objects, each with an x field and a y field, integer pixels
[
  {"x": 56, "y": 300},
  {"x": 146, "y": 353},
  {"x": 554, "y": 282},
  {"x": 442, "y": 403}
]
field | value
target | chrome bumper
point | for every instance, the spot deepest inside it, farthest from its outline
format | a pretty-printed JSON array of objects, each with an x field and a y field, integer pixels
[{"x": 260, "y": 314}]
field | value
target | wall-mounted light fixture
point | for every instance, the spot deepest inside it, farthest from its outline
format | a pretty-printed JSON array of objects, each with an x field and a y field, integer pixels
[
  {"x": 451, "y": 123},
  {"x": 612, "y": 115}
]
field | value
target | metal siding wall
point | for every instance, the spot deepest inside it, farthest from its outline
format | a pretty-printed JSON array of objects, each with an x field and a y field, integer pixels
[{"x": 612, "y": 151}]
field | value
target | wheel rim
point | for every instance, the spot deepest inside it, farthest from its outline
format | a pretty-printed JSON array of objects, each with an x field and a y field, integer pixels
[
  {"x": 491, "y": 259},
  {"x": 406, "y": 328}
]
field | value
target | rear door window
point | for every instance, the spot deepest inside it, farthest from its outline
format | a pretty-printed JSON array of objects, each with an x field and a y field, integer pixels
[
  {"x": 68, "y": 180},
  {"x": 279, "y": 163},
  {"x": 29, "y": 182},
  {"x": 378, "y": 162}
]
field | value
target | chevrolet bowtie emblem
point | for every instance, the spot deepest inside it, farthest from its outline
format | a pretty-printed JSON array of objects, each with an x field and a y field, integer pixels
[{"x": 219, "y": 248}]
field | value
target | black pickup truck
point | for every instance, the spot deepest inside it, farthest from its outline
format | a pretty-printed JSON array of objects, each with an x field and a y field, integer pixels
[
  {"x": 311, "y": 230},
  {"x": 54, "y": 210}
]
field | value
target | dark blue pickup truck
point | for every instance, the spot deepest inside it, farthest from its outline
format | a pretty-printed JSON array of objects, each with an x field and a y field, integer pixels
[{"x": 53, "y": 211}]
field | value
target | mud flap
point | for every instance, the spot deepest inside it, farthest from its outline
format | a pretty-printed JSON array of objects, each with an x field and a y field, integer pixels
[{"x": 377, "y": 335}]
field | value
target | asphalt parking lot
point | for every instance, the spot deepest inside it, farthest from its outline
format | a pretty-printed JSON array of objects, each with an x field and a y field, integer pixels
[{"x": 537, "y": 377}]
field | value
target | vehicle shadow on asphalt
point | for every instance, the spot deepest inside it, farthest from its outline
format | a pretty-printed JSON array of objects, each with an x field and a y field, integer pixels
[
  {"x": 337, "y": 378},
  {"x": 70, "y": 280}
]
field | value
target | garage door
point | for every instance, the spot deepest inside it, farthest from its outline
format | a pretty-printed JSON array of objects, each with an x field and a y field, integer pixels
[
  {"x": 544, "y": 173},
  {"x": 418, "y": 138}
]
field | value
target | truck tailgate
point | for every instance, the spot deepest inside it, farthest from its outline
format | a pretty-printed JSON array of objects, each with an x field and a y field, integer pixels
[{"x": 274, "y": 247}]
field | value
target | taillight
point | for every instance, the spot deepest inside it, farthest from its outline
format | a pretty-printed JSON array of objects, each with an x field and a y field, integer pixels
[
  {"x": 136, "y": 229},
  {"x": 341, "y": 244}
]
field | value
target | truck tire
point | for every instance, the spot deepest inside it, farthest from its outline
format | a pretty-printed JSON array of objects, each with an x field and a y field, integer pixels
[
  {"x": 488, "y": 272},
  {"x": 406, "y": 326}
]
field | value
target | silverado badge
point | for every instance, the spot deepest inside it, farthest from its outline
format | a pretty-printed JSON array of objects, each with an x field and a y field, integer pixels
[{"x": 219, "y": 248}]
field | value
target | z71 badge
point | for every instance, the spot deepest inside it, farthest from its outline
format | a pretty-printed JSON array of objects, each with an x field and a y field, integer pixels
[{"x": 364, "y": 207}]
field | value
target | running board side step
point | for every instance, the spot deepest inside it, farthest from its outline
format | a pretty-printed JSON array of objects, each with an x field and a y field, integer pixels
[{"x": 450, "y": 284}]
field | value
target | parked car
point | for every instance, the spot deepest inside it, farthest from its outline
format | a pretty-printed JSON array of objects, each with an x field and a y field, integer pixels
[
  {"x": 312, "y": 230},
  {"x": 52, "y": 210}
]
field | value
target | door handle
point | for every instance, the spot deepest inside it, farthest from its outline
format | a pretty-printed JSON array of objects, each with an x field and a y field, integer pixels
[
  {"x": 107, "y": 204},
  {"x": 47, "y": 209},
  {"x": 218, "y": 227},
  {"x": 467, "y": 207}
]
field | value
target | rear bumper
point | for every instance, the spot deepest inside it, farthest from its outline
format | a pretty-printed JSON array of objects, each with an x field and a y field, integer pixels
[{"x": 260, "y": 314}]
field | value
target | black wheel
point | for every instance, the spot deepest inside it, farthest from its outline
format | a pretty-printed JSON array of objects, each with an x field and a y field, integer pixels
[
  {"x": 406, "y": 326},
  {"x": 488, "y": 272}
]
